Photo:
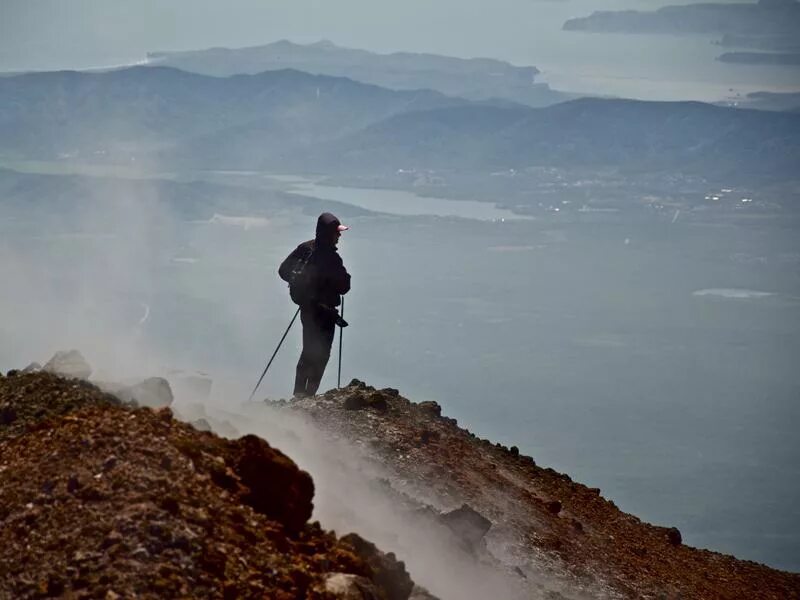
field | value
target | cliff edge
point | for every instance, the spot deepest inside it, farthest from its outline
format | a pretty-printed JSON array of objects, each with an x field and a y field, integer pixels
[{"x": 534, "y": 515}]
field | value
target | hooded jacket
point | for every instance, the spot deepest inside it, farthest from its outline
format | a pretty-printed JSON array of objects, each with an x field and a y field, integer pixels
[{"x": 331, "y": 279}]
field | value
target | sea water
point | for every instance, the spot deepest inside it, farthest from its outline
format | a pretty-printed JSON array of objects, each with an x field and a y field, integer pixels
[{"x": 654, "y": 360}]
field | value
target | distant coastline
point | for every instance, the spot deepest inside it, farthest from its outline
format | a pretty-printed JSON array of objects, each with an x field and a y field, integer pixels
[{"x": 761, "y": 58}]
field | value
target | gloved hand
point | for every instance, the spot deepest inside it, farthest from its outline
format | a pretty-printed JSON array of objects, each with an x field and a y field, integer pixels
[{"x": 334, "y": 314}]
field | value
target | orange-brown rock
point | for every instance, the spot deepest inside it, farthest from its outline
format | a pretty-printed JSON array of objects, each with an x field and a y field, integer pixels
[
  {"x": 98, "y": 500},
  {"x": 538, "y": 512}
]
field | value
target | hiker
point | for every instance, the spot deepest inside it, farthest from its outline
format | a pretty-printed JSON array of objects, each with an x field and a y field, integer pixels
[{"x": 317, "y": 278}]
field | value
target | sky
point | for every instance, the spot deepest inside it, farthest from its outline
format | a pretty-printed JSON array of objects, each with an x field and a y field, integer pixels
[
  {"x": 46, "y": 34},
  {"x": 70, "y": 34}
]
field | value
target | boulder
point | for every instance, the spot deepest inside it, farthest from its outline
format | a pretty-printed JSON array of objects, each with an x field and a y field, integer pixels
[
  {"x": 468, "y": 525},
  {"x": 553, "y": 506},
  {"x": 674, "y": 536},
  {"x": 201, "y": 425},
  {"x": 276, "y": 487},
  {"x": 68, "y": 363},
  {"x": 430, "y": 408},
  {"x": 362, "y": 399},
  {"x": 7, "y": 414},
  {"x": 154, "y": 392},
  {"x": 388, "y": 573},
  {"x": 351, "y": 587},
  {"x": 377, "y": 401},
  {"x": 354, "y": 402},
  {"x": 357, "y": 384}
]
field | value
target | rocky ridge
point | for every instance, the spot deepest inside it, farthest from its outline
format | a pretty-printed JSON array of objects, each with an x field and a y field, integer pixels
[
  {"x": 99, "y": 499},
  {"x": 539, "y": 520}
]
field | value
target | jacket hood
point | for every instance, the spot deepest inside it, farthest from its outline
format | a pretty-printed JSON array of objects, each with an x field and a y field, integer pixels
[{"x": 327, "y": 224}]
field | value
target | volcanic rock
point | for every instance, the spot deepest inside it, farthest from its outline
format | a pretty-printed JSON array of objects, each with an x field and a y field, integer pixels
[
  {"x": 430, "y": 408},
  {"x": 355, "y": 402},
  {"x": 100, "y": 500},
  {"x": 29, "y": 399},
  {"x": 68, "y": 363},
  {"x": 360, "y": 399},
  {"x": 276, "y": 487},
  {"x": 554, "y": 506},
  {"x": 201, "y": 425},
  {"x": 674, "y": 536},
  {"x": 387, "y": 572},
  {"x": 377, "y": 401},
  {"x": 153, "y": 392},
  {"x": 468, "y": 525},
  {"x": 346, "y": 586},
  {"x": 7, "y": 415},
  {"x": 593, "y": 549}
]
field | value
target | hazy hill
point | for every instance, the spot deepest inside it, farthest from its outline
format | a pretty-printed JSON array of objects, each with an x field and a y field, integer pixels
[
  {"x": 633, "y": 135},
  {"x": 475, "y": 79},
  {"x": 288, "y": 121},
  {"x": 129, "y": 113}
]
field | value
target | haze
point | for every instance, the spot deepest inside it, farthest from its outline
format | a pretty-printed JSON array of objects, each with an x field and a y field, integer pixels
[
  {"x": 613, "y": 286},
  {"x": 49, "y": 34}
]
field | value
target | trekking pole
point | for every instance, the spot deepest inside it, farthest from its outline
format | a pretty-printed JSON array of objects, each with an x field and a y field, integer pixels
[
  {"x": 285, "y": 333},
  {"x": 341, "y": 332}
]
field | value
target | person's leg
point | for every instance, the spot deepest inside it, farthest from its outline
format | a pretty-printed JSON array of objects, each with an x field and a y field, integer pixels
[
  {"x": 305, "y": 362},
  {"x": 324, "y": 331}
]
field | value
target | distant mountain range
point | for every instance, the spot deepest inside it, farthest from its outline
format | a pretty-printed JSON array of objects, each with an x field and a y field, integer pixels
[
  {"x": 287, "y": 121},
  {"x": 687, "y": 137},
  {"x": 474, "y": 79},
  {"x": 143, "y": 111}
]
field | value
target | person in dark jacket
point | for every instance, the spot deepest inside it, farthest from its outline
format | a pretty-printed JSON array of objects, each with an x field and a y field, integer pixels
[{"x": 318, "y": 314}]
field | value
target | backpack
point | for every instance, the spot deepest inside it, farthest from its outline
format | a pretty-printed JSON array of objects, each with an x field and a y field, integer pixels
[{"x": 302, "y": 282}]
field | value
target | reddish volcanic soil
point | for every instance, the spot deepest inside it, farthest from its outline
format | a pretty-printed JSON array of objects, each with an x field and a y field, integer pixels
[
  {"x": 541, "y": 513},
  {"x": 99, "y": 500}
]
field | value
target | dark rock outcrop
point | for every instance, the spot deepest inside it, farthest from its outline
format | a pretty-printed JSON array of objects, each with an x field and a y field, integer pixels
[
  {"x": 431, "y": 408},
  {"x": 674, "y": 536},
  {"x": 386, "y": 571},
  {"x": 468, "y": 525},
  {"x": 346, "y": 586},
  {"x": 275, "y": 486}
]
